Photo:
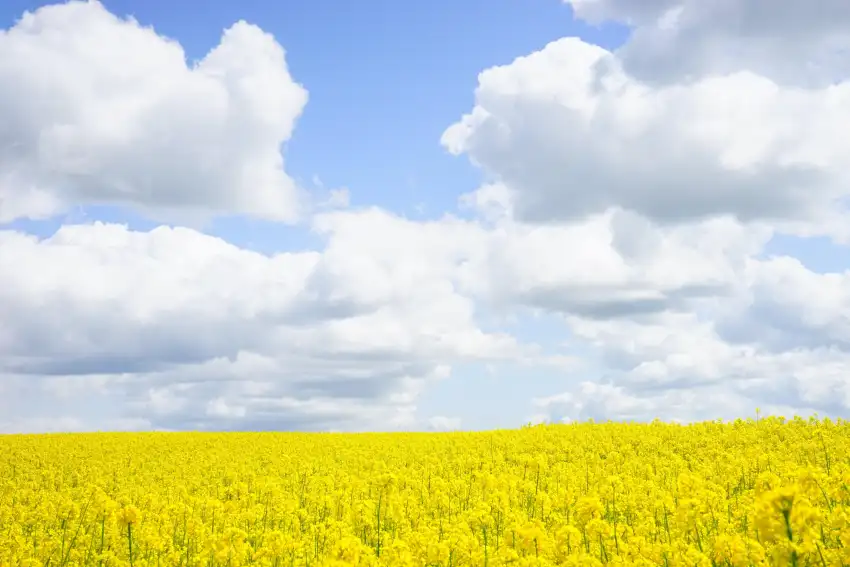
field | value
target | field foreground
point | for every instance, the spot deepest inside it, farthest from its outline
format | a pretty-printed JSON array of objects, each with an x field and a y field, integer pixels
[{"x": 747, "y": 493}]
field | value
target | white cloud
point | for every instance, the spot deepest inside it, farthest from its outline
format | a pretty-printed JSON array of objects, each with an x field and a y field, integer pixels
[
  {"x": 569, "y": 133},
  {"x": 787, "y": 306},
  {"x": 761, "y": 347},
  {"x": 605, "y": 401},
  {"x": 792, "y": 41},
  {"x": 612, "y": 265},
  {"x": 633, "y": 192},
  {"x": 180, "y": 330},
  {"x": 96, "y": 109},
  {"x": 183, "y": 330}
]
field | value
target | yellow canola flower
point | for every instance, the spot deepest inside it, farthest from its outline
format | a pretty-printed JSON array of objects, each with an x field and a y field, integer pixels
[
  {"x": 762, "y": 493},
  {"x": 128, "y": 516}
]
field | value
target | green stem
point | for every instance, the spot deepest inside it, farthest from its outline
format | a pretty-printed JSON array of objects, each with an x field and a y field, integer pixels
[
  {"x": 130, "y": 542},
  {"x": 786, "y": 514}
]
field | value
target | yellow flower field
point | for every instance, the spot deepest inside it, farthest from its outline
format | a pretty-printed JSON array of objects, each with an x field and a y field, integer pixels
[{"x": 767, "y": 492}]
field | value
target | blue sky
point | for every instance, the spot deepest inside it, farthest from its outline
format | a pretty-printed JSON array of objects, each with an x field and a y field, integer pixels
[
  {"x": 386, "y": 83},
  {"x": 366, "y": 71}
]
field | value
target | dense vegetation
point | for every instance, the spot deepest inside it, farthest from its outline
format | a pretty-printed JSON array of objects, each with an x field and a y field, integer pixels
[{"x": 767, "y": 492}]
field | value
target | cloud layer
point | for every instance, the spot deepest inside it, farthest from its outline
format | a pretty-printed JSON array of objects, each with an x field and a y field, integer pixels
[
  {"x": 184, "y": 330},
  {"x": 627, "y": 193}
]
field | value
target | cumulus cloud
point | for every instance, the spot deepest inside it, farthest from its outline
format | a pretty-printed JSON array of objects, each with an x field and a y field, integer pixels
[
  {"x": 779, "y": 343},
  {"x": 100, "y": 110},
  {"x": 651, "y": 178},
  {"x": 786, "y": 306},
  {"x": 183, "y": 330},
  {"x": 793, "y": 41},
  {"x": 177, "y": 329},
  {"x": 173, "y": 329},
  {"x": 612, "y": 265},
  {"x": 570, "y": 133}
]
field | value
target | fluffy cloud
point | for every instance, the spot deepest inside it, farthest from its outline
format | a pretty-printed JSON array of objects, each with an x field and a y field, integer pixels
[
  {"x": 779, "y": 343},
  {"x": 679, "y": 367},
  {"x": 97, "y": 109},
  {"x": 570, "y": 134},
  {"x": 174, "y": 329},
  {"x": 668, "y": 164},
  {"x": 792, "y": 42},
  {"x": 178, "y": 329}
]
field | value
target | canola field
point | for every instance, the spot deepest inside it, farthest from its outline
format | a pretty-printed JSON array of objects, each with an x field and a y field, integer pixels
[{"x": 766, "y": 492}]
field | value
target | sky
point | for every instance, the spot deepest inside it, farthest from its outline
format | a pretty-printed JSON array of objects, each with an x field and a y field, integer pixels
[{"x": 322, "y": 216}]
